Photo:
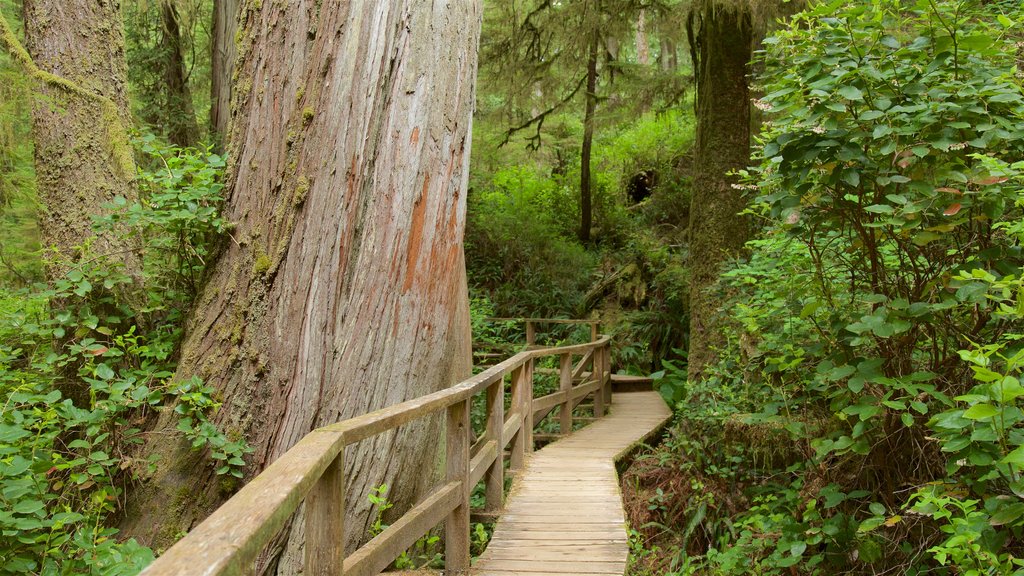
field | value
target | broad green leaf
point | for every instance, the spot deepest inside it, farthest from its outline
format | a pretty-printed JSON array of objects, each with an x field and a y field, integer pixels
[{"x": 981, "y": 412}]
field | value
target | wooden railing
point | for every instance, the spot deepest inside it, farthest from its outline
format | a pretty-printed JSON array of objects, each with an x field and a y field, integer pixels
[{"x": 229, "y": 540}]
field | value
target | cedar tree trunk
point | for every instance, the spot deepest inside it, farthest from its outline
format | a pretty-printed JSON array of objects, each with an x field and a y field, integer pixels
[
  {"x": 721, "y": 39},
  {"x": 343, "y": 287}
]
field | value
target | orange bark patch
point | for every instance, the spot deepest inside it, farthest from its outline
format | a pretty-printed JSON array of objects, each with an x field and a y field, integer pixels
[
  {"x": 416, "y": 236},
  {"x": 415, "y": 135}
]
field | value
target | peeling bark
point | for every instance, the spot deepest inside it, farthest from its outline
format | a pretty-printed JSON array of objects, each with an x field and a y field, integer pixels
[{"x": 344, "y": 288}]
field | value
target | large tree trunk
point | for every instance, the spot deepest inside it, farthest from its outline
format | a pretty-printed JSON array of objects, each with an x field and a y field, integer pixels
[
  {"x": 343, "y": 289},
  {"x": 586, "y": 192},
  {"x": 182, "y": 128},
  {"x": 721, "y": 37},
  {"x": 223, "y": 53},
  {"x": 80, "y": 117}
]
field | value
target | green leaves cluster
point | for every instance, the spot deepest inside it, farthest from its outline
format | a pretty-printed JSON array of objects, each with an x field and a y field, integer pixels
[
  {"x": 880, "y": 311},
  {"x": 82, "y": 374}
]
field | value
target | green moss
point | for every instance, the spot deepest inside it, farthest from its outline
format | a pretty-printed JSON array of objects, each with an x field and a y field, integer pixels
[
  {"x": 262, "y": 264},
  {"x": 300, "y": 93},
  {"x": 301, "y": 190},
  {"x": 307, "y": 115}
]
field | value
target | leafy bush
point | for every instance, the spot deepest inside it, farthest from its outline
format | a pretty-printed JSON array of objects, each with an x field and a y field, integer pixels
[
  {"x": 81, "y": 372},
  {"x": 878, "y": 318}
]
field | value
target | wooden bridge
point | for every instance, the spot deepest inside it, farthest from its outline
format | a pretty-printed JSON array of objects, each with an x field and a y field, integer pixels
[{"x": 563, "y": 515}]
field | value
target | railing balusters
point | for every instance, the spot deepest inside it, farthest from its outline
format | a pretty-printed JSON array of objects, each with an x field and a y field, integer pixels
[
  {"x": 495, "y": 478},
  {"x": 565, "y": 386},
  {"x": 325, "y": 522},
  {"x": 456, "y": 544}
]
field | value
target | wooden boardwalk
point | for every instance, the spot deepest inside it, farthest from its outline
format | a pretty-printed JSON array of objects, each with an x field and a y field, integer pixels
[{"x": 564, "y": 514}]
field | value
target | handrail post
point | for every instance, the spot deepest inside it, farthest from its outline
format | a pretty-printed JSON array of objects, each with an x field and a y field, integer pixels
[
  {"x": 606, "y": 373},
  {"x": 522, "y": 403},
  {"x": 594, "y": 327},
  {"x": 325, "y": 522},
  {"x": 531, "y": 333},
  {"x": 597, "y": 373},
  {"x": 456, "y": 540},
  {"x": 495, "y": 478},
  {"x": 528, "y": 402},
  {"x": 518, "y": 451},
  {"x": 565, "y": 385}
]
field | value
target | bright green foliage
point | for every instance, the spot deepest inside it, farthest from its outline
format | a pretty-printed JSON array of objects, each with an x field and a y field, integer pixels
[
  {"x": 518, "y": 251},
  {"x": 81, "y": 372},
  {"x": 878, "y": 318}
]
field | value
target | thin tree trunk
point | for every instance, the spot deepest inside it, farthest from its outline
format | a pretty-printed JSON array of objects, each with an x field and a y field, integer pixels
[
  {"x": 222, "y": 45},
  {"x": 643, "y": 50},
  {"x": 721, "y": 46},
  {"x": 182, "y": 128},
  {"x": 586, "y": 193},
  {"x": 344, "y": 287},
  {"x": 80, "y": 125}
]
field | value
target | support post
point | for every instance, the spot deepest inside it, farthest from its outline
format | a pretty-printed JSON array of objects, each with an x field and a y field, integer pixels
[
  {"x": 606, "y": 373},
  {"x": 594, "y": 328},
  {"x": 495, "y": 478},
  {"x": 456, "y": 536},
  {"x": 517, "y": 458},
  {"x": 531, "y": 334},
  {"x": 325, "y": 517},
  {"x": 597, "y": 372},
  {"x": 565, "y": 385}
]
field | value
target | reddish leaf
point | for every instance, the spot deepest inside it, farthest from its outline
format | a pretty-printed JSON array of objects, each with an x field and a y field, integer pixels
[
  {"x": 99, "y": 351},
  {"x": 991, "y": 180},
  {"x": 953, "y": 210},
  {"x": 949, "y": 191}
]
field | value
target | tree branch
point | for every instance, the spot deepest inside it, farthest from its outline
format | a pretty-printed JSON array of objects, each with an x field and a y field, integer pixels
[{"x": 539, "y": 118}]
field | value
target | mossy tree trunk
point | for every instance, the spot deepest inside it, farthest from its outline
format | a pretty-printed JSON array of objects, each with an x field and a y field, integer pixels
[
  {"x": 222, "y": 58},
  {"x": 80, "y": 125},
  {"x": 343, "y": 288},
  {"x": 722, "y": 38},
  {"x": 182, "y": 128}
]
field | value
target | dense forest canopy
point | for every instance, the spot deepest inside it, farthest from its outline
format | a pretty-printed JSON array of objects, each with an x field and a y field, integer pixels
[{"x": 224, "y": 224}]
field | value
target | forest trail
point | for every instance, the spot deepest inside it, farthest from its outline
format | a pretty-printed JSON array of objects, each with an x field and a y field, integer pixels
[{"x": 564, "y": 514}]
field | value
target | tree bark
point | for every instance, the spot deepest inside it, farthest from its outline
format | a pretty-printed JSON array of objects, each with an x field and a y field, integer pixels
[
  {"x": 586, "y": 193},
  {"x": 643, "y": 50},
  {"x": 182, "y": 128},
  {"x": 80, "y": 122},
  {"x": 222, "y": 46},
  {"x": 721, "y": 37},
  {"x": 343, "y": 289}
]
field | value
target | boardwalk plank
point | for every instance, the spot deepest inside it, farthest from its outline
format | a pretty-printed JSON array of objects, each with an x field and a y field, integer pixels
[{"x": 564, "y": 514}]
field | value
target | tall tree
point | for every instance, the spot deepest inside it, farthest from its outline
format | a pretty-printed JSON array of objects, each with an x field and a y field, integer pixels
[
  {"x": 180, "y": 116},
  {"x": 721, "y": 46},
  {"x": 223, "y": 53},
  {"x": 80, "y": 123},
  {"x": 723, "y": 35},
  {"x": 344, "y": 287}
]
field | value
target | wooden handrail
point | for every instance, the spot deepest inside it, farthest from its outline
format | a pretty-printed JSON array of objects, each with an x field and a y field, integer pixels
[{"x": 232, "y": 537}]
